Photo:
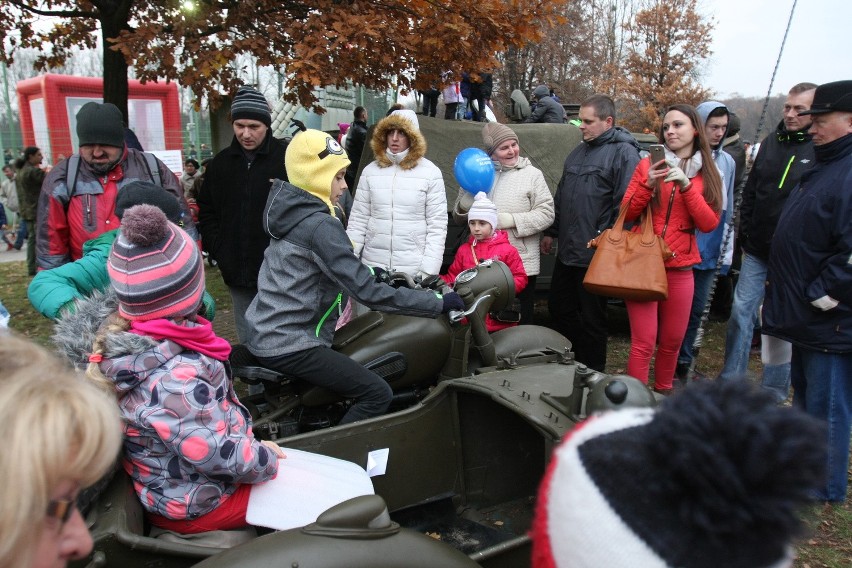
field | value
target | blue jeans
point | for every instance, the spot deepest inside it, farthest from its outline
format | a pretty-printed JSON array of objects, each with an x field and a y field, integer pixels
[
  {"x": 775, "y": 355},
  {"x": 822, "y": 386},
  {"x": 22, "y": 234},
  {"x": 703, "y": 285},
  {"x": 748, "y": 295}
]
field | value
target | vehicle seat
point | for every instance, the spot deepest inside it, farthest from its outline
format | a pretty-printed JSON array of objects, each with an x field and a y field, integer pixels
[{"x": 212, "y": 539}]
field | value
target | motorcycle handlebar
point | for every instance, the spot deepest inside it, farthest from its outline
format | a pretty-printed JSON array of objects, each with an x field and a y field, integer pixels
[{"x": 457, "y": 316}]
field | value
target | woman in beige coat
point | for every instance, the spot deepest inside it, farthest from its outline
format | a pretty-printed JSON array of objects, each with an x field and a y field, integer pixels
[{"x": 524, "y": 204}]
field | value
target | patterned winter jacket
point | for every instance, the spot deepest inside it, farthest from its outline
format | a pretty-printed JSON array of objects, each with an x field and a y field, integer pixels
[{"x": 188, "y": 440}]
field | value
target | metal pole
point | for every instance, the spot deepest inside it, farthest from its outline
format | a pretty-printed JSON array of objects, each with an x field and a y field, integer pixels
[{"x": 8, "y": 111}]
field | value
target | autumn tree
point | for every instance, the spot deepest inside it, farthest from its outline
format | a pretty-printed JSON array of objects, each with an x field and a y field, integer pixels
[
  {"x": 665, "y": 45},
  {"x": 569, "y": 56},
  {"x": 374, "y": 43}
]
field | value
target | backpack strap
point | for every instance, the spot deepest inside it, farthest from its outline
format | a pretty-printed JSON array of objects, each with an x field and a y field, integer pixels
[
  {"x": 153, "y": 168},
  {"x": 71, "y": 176},
  {"x": 74, "y": 168}
]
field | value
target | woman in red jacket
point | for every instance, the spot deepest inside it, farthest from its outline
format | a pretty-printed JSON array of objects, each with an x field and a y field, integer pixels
[{"x": 688, "y": 184}]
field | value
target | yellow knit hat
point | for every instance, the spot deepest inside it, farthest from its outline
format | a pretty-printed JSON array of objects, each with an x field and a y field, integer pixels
[{"x": 312, "y": 160}]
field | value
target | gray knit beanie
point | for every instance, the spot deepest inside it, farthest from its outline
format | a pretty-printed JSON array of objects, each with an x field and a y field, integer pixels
[
  {"x": 250, "y": 104},
  {"x": 100, "y": 124},
  {"x": 494, "y": 134}
]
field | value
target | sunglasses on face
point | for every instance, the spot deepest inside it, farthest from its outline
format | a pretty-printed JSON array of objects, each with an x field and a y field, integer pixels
[{"x": 61, "y": 509}]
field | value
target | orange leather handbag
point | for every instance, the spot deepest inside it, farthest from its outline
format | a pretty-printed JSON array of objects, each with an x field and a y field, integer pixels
[{"x": 630, "y": 265}]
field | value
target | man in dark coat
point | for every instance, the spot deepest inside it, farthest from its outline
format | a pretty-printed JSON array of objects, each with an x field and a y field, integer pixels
[
  {"x": 809, "y": 290},
  {"x": 233, "y": 196},
  {"x": 593, "y": 182},
  {"x": 355, "y": 139},
  {"x": 783, "y": 158}
]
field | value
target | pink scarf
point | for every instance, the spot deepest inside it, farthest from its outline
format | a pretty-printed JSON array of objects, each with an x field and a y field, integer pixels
[{"x": 198, "y": 337}]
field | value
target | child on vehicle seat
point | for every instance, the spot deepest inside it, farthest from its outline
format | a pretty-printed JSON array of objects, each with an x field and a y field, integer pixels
[
  {"x": 188, "y": 442},
  {"x": 308, "y": 267},
  {"x": 486, "y": 243}
]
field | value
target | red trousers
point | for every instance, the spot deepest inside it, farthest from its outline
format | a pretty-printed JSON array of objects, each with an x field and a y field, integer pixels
[
  {"x": 230, "y": 514},
  {"x": 661, "y": 325}
]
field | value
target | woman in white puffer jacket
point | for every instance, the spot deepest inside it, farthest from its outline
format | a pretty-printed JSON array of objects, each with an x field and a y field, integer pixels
[
  {"x": 398, "y": 220},
  {"x": 524, "y": 204}
]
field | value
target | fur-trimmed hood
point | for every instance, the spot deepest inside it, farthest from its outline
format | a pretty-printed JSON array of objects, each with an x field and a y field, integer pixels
[
  {"x": 378, "y": 143},
  {"x": 74, "y": 334}
]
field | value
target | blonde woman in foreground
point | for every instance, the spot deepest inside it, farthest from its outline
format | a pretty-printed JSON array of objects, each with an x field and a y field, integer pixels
[{"x": 61, "y": 434}]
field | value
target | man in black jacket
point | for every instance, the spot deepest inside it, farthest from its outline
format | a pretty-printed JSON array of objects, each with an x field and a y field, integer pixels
[
  {"x": 593, "y": 182},
  {"x": 355, "y": 139},
  {"x": 233, "y": 196},
  {"x": 783, "y": 157}
]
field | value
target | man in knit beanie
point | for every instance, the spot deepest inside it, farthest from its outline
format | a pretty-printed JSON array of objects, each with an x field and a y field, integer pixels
[
  {"x": 233, "y": 195},
  {"x": 713, "y": 478},
  {"x": 308, "y": 270},
  {"x": 79, "y": 194}
]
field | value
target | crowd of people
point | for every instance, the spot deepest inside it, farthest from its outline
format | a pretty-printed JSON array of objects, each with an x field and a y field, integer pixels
[{"x": 117, "y": 243}]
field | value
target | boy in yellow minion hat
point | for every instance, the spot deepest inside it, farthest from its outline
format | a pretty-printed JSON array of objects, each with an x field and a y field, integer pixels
[{"x": 308, "y": 267}]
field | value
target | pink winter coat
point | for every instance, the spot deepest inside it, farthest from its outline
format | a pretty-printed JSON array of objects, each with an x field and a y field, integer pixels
[{"x": 497, "y": 247}]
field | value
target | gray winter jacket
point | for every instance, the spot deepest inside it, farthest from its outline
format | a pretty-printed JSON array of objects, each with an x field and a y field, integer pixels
[
  {"x": 308, "y": 267},
  {"x": 546, "y": 108},
  {"x": 593, "y": 182}
]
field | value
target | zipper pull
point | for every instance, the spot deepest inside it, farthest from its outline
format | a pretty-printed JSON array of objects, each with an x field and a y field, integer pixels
[{"x": 339, "y": 304}]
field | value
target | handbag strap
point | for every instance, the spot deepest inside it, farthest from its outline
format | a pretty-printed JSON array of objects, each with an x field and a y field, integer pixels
[{"x": 668, "y": 214}]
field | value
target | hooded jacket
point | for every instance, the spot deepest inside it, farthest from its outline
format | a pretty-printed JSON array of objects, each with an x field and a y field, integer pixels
[
  {"x": 522, "y": 192},
  {"x": 398, "y": 220},
  {"x": 589, "y": 194},
  {"x": 230, "y": 204},
  {"x": 781, "y": 161},
  {"x": 308, "y": 267},
  {"x": 810, "y": 256},
  {"x": 719, "y": 241},
  {"x": 546, "y": 108},
  {"x": 495, "y": 248},
  {"x": 188, "y": 441},
  {"x": 52, "y": 291}
]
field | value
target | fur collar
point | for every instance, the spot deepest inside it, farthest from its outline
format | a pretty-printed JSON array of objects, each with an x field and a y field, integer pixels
[
  {"x": 74, "y": 334},
  {"x": 378, "y": 142}
]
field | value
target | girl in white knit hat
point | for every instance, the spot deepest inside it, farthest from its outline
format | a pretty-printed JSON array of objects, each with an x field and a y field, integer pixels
[{"x": 485, "y": 243}]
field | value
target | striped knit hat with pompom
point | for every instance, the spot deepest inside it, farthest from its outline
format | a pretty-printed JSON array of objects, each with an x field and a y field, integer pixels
[
  {"x": 155, "y": 267},
  {"x": 714, "y": 478}
]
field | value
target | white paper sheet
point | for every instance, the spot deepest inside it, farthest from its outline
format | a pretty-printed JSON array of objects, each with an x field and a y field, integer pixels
[
  {"x": 307, "y": 485},
  {"x": 377, "y": 462}
]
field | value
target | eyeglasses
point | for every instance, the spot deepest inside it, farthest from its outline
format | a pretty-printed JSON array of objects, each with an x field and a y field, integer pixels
[{"x": 61, "y": 509}]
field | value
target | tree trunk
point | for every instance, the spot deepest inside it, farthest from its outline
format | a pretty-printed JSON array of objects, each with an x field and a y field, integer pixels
[{"x": 114, "y": 18}]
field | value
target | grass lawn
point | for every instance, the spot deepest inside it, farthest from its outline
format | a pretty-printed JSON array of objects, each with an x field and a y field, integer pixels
[{"x": 829, "y": 539}]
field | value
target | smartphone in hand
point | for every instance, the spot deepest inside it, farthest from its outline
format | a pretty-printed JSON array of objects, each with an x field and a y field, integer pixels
[{"x": 658, "y": 153}]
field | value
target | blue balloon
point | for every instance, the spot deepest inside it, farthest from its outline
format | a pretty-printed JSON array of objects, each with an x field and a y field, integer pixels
[{"x": 474, "y": 170}]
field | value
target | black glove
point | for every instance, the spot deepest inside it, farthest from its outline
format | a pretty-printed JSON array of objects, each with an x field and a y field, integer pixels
[
  {"x": 380, "y": 273},
  {"x": 452, "y": 301}
]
